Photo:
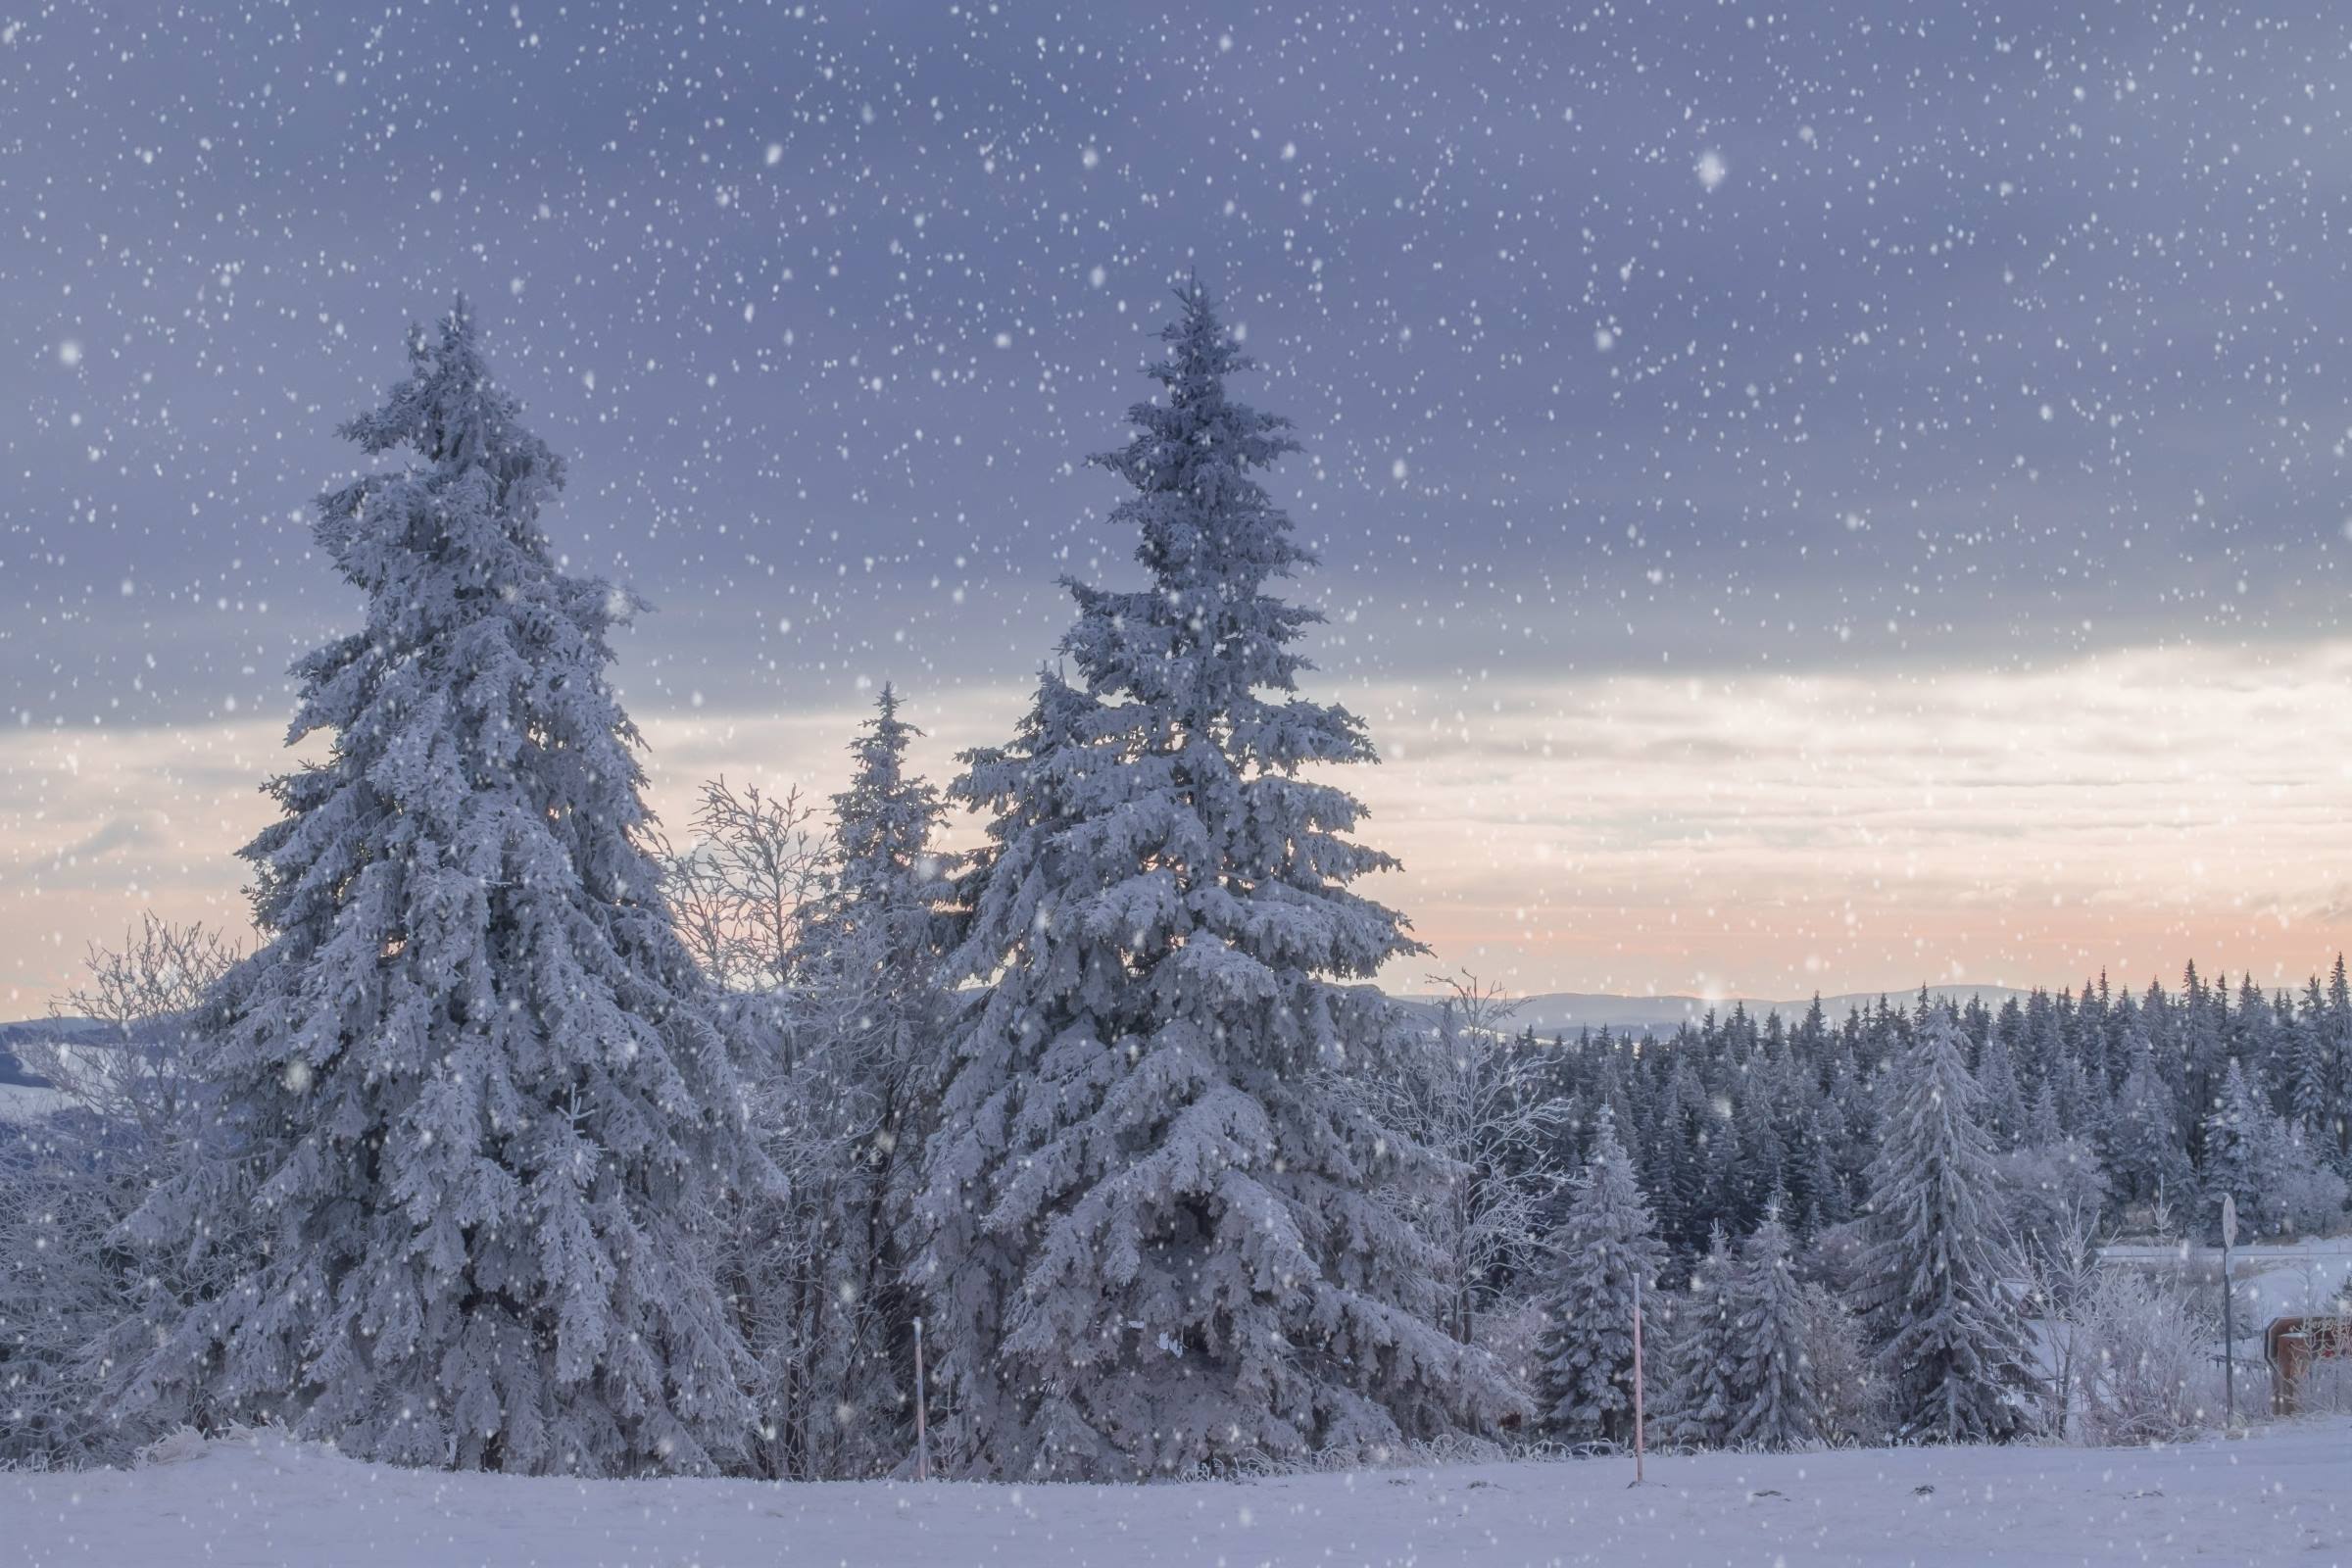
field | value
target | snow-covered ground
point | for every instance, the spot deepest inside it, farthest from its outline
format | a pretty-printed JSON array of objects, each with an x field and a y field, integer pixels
[{"x": 2281, "y": 1496}]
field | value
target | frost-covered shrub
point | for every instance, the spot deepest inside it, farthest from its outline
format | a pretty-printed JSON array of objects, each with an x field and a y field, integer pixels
[
  {"x": 60, "y": 1288},
  {"x": 1512, "y": 1336},
  {"x": 1472, "y": 1094},
  {"x": 2309, "y": 1198},
  {"x": 71, "y": 1291},
  {"x": 2147, "y": 1371},
  {"x": 1850, "y": 1398},
  {"x": 2046, "y": 1185}
]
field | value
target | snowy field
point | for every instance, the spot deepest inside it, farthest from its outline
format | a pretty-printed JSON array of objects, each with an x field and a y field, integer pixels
[
  {"x": 2278, "y": 1496},
  {"x": 2272, "y": 1278}
]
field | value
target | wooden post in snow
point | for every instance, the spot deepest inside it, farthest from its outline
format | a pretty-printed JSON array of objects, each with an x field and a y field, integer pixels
[
  {"x": 1636, "y": 1378},
  {"x": 922, "y": 1434}
]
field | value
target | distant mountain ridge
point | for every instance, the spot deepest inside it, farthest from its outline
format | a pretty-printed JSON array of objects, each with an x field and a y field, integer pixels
[
  {"x": 33, "y": 1031},
  {"x": 1567, "y": 1011}
]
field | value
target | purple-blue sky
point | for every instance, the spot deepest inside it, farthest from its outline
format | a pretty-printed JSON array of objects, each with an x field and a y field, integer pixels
[{"x": 1808, "y": 495}]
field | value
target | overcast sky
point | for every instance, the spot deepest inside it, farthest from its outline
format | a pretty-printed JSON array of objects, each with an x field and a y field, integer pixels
[{"x": 1831, "y": 495}]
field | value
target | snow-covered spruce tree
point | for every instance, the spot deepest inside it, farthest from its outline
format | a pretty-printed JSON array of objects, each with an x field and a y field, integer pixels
[
  {"x": 877, "y": 946},
  {"x": 2140, "y": 1139},
  {"x": 1937, "y": 1255},
  {"x": 1698, "y": 1359},
  {"x": 1772, "y": 1391},
  {"x": 472, "y": 1087},
  {"x": 2241, "y": 1157},
  {"x": 2321, "y": 1091},
  {"x": 1157, "y": 1235},
  {"x": 2004, "y": 1102},
  {"x": 1585, "y": 1377},
  {"x": 834, "y": 1329}
]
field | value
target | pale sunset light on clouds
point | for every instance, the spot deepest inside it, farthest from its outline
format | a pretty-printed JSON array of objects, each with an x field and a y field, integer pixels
[{"x": 1739, "y": 835}]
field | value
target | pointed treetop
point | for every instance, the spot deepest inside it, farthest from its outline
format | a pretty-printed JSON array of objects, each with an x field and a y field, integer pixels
[
  {"x": 1197, "y": 430},
  {"x": 1604, "y": 1133},
  {"x": 454, "y": 416},
  {"x": 1205, "y": 349}
]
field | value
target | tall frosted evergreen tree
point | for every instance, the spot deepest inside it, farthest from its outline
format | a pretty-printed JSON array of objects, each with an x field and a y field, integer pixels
[
  {"x": 1772, "y": 1399},
  {"x": 1585, "y": 1373},
  {"x": 2005, "y": 1100},
  {"x": 2321, "y": 1095},
  {"x": 1936, "y": 1252},
  {"x": 2241, "y": 1156},
  {"x": 2140, "y": 1139},
  {"x": 1701, "y": 1358},
  {"x": 470, "y": 1088},
  {"x": 1157, "y": 1235},
  {"x": 836, "y": 1331}
]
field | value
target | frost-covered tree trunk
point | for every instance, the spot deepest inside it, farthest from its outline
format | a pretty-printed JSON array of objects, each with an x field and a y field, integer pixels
[
  {"x": 1155, "y": 1234},
  {"x": 1937, "y": 1258},
  {"x": 1586, "y": 1369},
  {"x": 472, "y": 1089}
]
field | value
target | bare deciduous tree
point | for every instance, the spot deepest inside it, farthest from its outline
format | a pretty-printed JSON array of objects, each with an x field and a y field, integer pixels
[
  {"x": 742, "y": 890},
  {"x": 1472, "y": 1095},
  {"x": 2062, "y": 1274},
  {"x": 136, "y": 1071},
  {"x": 71, "y": 1292}
]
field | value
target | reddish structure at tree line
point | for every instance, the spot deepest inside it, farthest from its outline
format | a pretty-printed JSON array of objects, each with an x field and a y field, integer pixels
[{"x": 2294, "y": 1345}]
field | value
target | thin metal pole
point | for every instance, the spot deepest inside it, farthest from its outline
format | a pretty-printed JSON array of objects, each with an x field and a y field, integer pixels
[
  {"x": 1637, "y": 1379},
  {"x": 922, "y": 1436}
]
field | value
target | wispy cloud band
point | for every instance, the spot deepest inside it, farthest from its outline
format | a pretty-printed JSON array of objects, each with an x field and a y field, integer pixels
[{"x": 1725, "y": 832}]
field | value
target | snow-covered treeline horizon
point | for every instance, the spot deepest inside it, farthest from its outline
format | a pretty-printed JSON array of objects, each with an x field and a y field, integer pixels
[{"x": 2169, "y": 1096}]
